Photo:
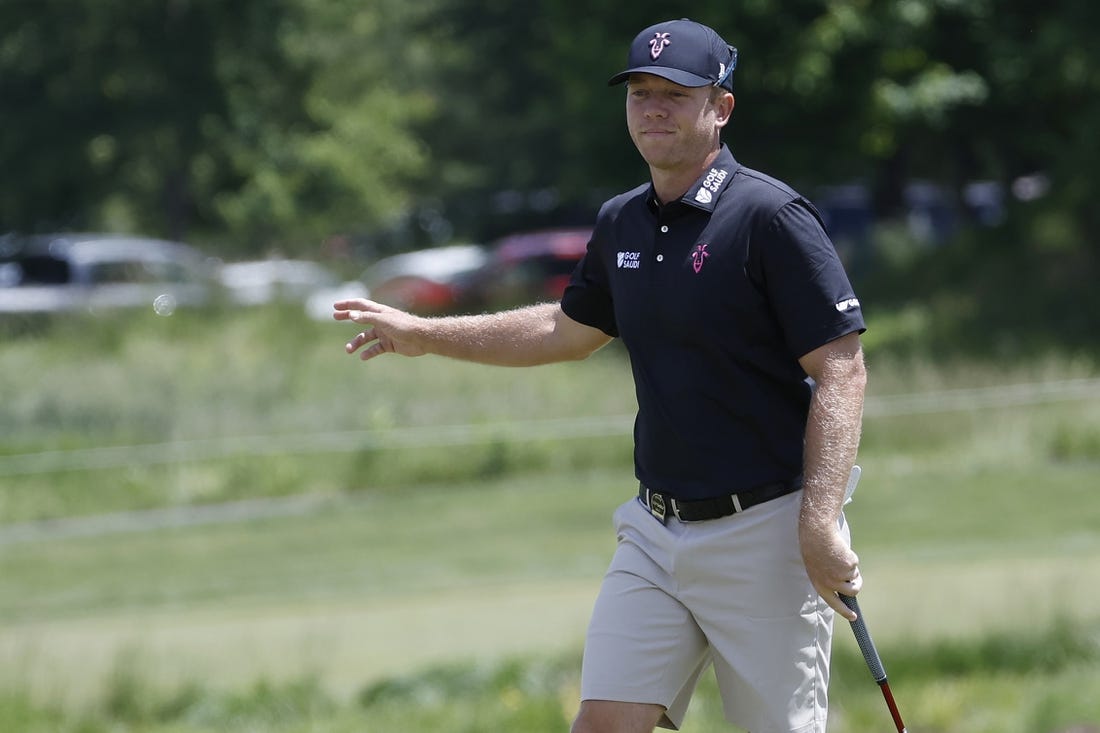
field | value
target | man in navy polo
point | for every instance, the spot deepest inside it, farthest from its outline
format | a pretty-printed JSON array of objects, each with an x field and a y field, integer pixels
[{"x": 743, "y": 335}]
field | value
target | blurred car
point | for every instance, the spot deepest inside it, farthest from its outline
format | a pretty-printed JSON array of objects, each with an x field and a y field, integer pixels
[
  {"x": 258, "y": 282},
  {"x": 427, "y": 282},
  {"x": 528, "y": 267},
  {"x": 93, "y": 272},
  {"x": 319, "y": 302}
]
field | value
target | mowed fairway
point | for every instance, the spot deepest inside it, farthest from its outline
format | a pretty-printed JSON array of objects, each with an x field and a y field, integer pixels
[{"x": 350, "y": 591}]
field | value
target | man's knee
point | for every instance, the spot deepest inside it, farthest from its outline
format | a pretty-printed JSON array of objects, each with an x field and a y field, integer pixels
[{"x": 605, "y": 716}]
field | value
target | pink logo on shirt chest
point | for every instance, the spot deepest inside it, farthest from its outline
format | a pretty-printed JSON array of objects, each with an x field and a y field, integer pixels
[{"x": 698, "y": 256}]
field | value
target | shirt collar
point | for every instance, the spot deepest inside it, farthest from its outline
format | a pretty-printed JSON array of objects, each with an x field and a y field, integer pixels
[{"x": 705, "y": 191}]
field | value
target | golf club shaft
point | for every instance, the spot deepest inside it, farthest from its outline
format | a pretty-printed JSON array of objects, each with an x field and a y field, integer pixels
[{"x": 874, "y": 662}]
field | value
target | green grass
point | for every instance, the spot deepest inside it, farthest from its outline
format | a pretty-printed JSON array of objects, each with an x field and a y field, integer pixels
[
  {"x": 961, "y": 687},
  {"x": 109, "y": 416},
  {"x": 356, "y": 591},
  {"x": 420, "y": 541}
]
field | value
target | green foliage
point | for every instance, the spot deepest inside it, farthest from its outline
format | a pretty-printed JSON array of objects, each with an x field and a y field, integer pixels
[
  {"x": 1063, "y": 646},
  {"x": 350, "y": 164},
  {"x": 211, "y": 406},
  {"x": 267, "y": 124},
  {"x": 1018, "y": 290},
  {"x": 1075, "y": 442},
  {"x": 1041, "y": 689},
  {"x": 215, "y": 405},
  {"x": 241, "y": 124},
  {"x": 136, "y": 101},
  {"x": 371, "y": 544},
  {"x": 528, "y": 695}
]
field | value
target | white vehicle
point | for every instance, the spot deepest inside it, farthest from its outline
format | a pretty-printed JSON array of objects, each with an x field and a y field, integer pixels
[
  {"x": 98, "y": 272},
  {"x": 257, "y": 282}
]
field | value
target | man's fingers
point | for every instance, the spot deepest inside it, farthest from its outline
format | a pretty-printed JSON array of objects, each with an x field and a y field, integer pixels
[
  {"x": 354, "y": 309},
  {"x": 838, "y": 605},
  {"x": 850, "y": 586},
  {"x": 848, "y": 582},
  {"x": 351, "y": 304},
  {"x": 372, "y": 351},
  {"x": 384, "y": 332},
  {"x": 356, "y": 316},
  {"x": 357, "y": 304},
  {"x": 362, "y": 338}
]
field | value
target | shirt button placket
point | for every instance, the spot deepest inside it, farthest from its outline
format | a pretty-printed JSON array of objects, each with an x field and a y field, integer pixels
[{"x": 664, "y": 230}]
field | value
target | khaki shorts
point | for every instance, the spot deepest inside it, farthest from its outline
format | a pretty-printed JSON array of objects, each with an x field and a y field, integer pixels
[{"x": 731, "y": 592}]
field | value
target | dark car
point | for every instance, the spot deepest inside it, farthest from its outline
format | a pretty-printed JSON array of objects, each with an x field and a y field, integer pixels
[
  {"x": 528, "y": 267},
  {"x": 94, "y": 272}
]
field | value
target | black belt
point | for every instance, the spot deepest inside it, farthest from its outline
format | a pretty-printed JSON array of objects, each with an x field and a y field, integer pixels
[{"x": 662, "y": 505}]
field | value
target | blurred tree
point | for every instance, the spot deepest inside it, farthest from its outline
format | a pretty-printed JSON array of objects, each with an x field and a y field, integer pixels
[
  {"x": 497, "y": 142},
  {"x": 259, "y": 122},
  {"x": 883, "y": 91},
  {"x": 113, "y": 106},
  {"x": 351, "y": 164},
  {"x": 827, "y": 92},
  {"x": 279, "y": 122}
]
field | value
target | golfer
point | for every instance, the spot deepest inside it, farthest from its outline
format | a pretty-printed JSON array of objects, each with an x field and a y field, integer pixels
[{"x": 743, "y": 335}]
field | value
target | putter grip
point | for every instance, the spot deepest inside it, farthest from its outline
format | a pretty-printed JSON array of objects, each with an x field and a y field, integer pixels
[{"x": 863, "y": 638}]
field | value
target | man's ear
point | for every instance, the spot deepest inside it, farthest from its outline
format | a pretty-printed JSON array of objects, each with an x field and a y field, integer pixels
[{"x": 723, "y": 107}]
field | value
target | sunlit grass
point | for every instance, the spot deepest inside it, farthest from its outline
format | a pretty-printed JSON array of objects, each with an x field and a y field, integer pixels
[
  {"x": 219, "y": 407},
  {"x": 475, "y": 553},
  {"x": 971, "y": 691}
]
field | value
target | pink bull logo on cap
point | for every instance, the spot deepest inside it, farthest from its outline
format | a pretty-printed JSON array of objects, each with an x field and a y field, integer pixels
[{"x": 657, "y": 44}]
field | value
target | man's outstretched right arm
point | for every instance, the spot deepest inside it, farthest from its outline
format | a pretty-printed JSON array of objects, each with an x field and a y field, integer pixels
[{"x": 528, "y": 336}]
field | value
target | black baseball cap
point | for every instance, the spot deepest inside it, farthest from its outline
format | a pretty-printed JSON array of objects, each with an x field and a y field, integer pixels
[{"x": 684, "y": 52}]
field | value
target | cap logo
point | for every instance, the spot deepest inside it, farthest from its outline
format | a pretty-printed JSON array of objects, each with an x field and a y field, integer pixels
[{"x": 657, "y": 44}]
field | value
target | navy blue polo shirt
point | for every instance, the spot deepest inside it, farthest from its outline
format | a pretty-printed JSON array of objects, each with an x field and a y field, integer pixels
[{"x": 715, "y": 297}]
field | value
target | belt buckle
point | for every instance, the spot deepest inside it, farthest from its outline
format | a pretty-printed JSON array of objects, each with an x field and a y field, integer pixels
[{"x": 657, "y": 506}]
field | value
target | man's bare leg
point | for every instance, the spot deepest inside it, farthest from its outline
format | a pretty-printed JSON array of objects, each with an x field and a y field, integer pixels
[{"x": 604, "y": 716}]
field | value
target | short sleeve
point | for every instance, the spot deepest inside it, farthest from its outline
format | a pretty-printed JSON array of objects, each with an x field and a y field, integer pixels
[
  {"x": 805, "y": 281},
  {"x": 587, "y": 297}
]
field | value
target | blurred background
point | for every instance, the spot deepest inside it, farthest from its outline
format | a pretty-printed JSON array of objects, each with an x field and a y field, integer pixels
[{"x": 211, "y": 518}]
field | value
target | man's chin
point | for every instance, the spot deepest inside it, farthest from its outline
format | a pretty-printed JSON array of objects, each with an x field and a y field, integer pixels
[
  {"x": 661, "y": 162},
  {"x": 657, "y": 153}
]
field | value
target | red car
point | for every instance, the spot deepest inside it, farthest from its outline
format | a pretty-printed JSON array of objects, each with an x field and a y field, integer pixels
[
  {"x": 528, "y": 267},
  {"x": 428, "y": 281}
]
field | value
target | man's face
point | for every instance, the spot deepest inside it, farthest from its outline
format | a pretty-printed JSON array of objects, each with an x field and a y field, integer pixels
[{"x": 674, "y": 127}]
